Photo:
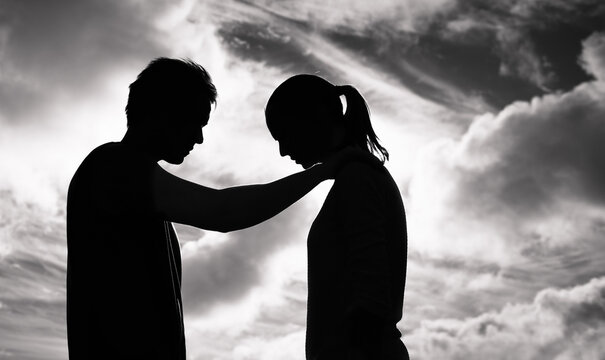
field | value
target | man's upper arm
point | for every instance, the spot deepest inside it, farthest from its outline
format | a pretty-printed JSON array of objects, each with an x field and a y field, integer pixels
[{"x": 185, "y": 202}]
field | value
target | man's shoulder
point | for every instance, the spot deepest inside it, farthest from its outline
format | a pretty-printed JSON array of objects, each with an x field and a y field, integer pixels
[
  {"x": 108, "y": 152},
  {"x": 113, "y": 161},
  {"x": 114, "y": 177},
  {"x": 100, "y": 154},
  {"x": 116, "y": 155}
]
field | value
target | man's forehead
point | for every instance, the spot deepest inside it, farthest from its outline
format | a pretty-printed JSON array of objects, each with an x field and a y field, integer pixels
[{"x": 202, "y": 107}]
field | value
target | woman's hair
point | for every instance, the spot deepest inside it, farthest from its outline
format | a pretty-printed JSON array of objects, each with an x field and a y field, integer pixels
[{"x": 301, "y": 96}]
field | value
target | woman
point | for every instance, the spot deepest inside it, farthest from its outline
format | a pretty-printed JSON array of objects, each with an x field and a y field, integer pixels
[{"x": 357, "y": 244}]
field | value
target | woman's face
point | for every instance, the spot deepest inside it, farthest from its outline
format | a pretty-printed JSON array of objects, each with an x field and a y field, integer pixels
[{"x": 305, "y": 140}]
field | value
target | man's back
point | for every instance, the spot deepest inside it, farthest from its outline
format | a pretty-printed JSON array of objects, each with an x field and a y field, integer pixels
[{"x": 123, "y": 276}]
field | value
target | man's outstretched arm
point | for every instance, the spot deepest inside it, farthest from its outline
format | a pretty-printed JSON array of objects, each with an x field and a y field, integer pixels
[{"x": 232, "y": 208}]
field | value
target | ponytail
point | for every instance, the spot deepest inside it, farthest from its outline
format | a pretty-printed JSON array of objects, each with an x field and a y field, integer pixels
[{"x": 357, "y": 118}]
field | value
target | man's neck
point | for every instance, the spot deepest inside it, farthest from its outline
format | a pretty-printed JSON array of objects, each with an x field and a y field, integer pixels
[{"x": 142, "y": 141}]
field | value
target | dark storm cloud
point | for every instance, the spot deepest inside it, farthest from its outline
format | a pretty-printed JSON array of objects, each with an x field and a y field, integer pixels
[
  {"x": 502, "y": 51},
  {"x": 499, "y": 51},
  {"x": 60, "y": 49},
  {"x": 535, "y": 40},
  {"x": 271, "y": 44}
]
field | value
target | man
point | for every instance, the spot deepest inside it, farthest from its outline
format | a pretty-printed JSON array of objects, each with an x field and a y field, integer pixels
[{"x": 124, "y": 266}]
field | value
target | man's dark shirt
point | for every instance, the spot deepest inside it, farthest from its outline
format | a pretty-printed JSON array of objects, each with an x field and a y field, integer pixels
[
  {"x": 124, "y": 266},
  {"x": 357, "y": 253}
]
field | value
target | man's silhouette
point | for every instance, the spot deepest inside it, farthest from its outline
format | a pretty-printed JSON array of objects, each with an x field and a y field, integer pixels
[{"x": 124, "y": 266}]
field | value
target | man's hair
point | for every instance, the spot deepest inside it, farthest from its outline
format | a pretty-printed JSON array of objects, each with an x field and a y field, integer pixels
[{"x": 165, "y": 87}]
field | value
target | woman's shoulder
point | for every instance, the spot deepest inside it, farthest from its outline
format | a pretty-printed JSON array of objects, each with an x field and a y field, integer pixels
[
  {"x": 359, "y": 175},
  {"x": 356, "y": 170}
]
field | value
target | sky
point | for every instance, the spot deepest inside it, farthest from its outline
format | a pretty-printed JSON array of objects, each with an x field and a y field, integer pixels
[{"x": 493, "y": 112}]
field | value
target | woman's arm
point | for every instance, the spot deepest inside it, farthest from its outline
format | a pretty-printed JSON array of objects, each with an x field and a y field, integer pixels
[{"x": 232, "y": 208}]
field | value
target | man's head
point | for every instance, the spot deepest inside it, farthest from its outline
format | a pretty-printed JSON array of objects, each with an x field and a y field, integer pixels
[{"x": 170, "y": 102}]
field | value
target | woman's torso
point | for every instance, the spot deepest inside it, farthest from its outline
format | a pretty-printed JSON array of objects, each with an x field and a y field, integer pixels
[{"x": 360, "y": 230}]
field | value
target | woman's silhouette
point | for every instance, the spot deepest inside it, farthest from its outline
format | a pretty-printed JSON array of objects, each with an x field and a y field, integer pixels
[{"x": 357, "y": 244}]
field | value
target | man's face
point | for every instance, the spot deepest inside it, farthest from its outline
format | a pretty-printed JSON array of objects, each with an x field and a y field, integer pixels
[{"x": 183, "y": 131}]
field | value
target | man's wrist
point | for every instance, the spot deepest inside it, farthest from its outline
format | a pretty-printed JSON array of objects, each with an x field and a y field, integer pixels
[
  {"x": 320, "y": 172},
  {"x": 326, "y": 171}
]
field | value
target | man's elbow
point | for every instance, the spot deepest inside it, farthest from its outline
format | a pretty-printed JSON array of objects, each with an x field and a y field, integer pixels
[
  {"x": 223, "y": 229},
  {"x": 230, "y": 227}
]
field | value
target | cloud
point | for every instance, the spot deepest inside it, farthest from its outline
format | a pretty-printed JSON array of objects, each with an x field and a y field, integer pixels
[
  {"x": 559, "y": 324},
  {"x": 55, "y": 50},
  {"x": 269, "y": 324},
  {"x": 224, "y": 269},
  {"x": 532, "y": 39},
  {"x": 359, "y": 15},
  {"x": 593, "y": 57},
  {"x": 32, "y": 286},
  {"x": 270, "y": 312},
  {"x": 532, "y": 173},
  {"x": 505, "y": 34},
  {"x": 519, "y": 58}
]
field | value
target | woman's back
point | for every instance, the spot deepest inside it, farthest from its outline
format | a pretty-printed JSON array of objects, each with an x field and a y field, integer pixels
[
  {"x": 357, "y": 250},
  {"x": 357, "y": 245}
]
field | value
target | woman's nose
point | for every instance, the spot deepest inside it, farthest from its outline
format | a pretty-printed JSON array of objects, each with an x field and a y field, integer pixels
[{"x": 199, "y": 137}]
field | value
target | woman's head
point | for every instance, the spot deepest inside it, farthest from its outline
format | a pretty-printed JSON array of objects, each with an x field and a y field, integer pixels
[{"x": 305, "y": 115}]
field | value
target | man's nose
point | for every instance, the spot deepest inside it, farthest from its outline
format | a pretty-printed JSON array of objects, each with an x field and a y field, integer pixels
[{"x": 282, "y": 150}]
